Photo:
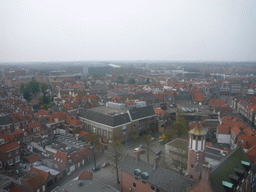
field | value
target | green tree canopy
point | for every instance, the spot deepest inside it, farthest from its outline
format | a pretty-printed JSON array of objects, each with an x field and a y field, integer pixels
[
  {"x": 131, "y": 81},
  {"x": 45, "y": 87},
  {"x": 180, "y": 126},
  {"x": 120, "y": 79}
]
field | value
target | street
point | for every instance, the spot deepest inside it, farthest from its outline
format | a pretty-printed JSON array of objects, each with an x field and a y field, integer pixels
[{"x": 108, "y": 175}]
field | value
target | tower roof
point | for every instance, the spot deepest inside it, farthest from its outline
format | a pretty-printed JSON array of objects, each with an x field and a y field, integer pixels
[{"x": 198, "y": 131}]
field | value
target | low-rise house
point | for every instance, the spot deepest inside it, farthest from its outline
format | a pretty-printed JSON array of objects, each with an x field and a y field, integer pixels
[
  {"x": 73, "y": 125},
  {"x": 32, "y": 182},
  {"x": 69, "y": 161},
  {"x": 6, "y": 124},
  {"x": 21, "y": 136},
  {"x": 9, "y": 154},
  {"x": 37, "y": 132}
]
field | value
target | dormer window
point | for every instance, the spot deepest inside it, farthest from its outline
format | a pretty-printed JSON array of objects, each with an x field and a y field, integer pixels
[{"x": 56, "y": 120}]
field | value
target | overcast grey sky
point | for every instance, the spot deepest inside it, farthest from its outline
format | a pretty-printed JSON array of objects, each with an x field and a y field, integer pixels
[{"x": 73, "y": 30}]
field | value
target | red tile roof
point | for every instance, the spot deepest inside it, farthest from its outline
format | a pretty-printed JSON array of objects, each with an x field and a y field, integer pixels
[
  {"x": 34, "y": 125},
  {"x": 198, "y": 97},
  {"x": 216, "y": 102},
  {"x": 236, "y": 130},
  {"x": 9, "y": 146},
  {"x": 4, "y": 137},
  {"x": 85, "y": 175},
  {"x": 224, "y": 129},
  {"x": 76, "y": 86},
  {"x": 33, "y": 158},
  {"x": 248, "y": 141},
  {"x": 60, "y": 116},
  {"x": 60, "y": 157},
  {"x": 35, "y": 181},
  {"x": 15, "y": 189},
  {"x": 251, "y": 153},
  {"x": 192, "y": 125},
  {"x": 42, "y": 113},
  {"x": 159, "y": 111},
  {"x": 83, "y": 133},
  {"x": 20, "y": 132},
  {"x": 44, "y": 174},
  {"x": 73, "y": 121}
]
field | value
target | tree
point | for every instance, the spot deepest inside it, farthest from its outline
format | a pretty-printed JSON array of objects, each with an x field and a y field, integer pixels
[
  {"x": 147, "y": 81},
  {"x": 131, "y": 81},
  {"x": 44, "y": 88},
  {"x": 94, "y": 141},
  {"x": 120, "y": 79},
  {"x": 116, "y": 154},
  {"x": 147, "y": 140},
  {"x": 179, "y": 156},
  {"x": 180, "y": 126},
  {"x": 34, "y": 87}
]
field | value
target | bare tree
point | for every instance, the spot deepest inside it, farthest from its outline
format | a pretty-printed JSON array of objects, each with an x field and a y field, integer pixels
[
  {"x": 116, "y": 154},
  {"x": 147, "y": 140},
  {"x": 94, "y": 141}
]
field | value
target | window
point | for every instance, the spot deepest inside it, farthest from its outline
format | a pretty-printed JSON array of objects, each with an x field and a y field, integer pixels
[
  {"x": 191, "y": 176},
  {"x": 153, "y": 188},
  {"x": 192, "y": 166},
  {"x": 43, "y": 188},
  {"x": 110, "y": 135},
  {"x": 94, "y": 130},
  {"x": 9, "y": 154},
  {"x": 134, "y": 185},
  {"x": 199, "y": 138},
  {"x": 157, "y": 190},
  {"x": 105, "y": 133},
  {"x": 10, "y": 162},
  {"x": 124, "y": 130},
  {"x": 99, "y": 131},
  {"x": 17, "y": 159},
  {"x": 136, "y": 178}
]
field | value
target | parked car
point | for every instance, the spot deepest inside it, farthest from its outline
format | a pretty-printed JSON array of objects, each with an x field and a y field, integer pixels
[
  {"x": 158, "y": 152},
  {"x": 106, "y": 164},
  {"x": 94, "y": 169}
]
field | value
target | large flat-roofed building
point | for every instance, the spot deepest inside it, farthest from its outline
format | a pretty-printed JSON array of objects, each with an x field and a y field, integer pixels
[{"x": 116, "y": 120}]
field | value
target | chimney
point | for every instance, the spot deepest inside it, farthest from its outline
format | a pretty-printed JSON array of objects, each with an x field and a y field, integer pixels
[
  {"x": 206, "y": 173},
  {"x": 156, "y": 161},
  {"x": 137, "y": 155}
]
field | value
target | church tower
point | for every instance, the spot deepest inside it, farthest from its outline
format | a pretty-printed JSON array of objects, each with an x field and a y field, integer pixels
[{"x": 196, "y": 153}]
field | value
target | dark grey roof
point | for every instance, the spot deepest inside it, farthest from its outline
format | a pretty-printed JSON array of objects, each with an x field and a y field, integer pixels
[
  {"x": 244, "y": 103},
  {"x": 107, "y": 119},
  {"x": 212, "y": 123},
  {"x": 213, "y": 153},
  {"x": 120, "y": 92},
  {"x": 227, "y": 166},
  {"x": 141, "y": 112},
  {"x": 170, "y": 98},
  {"x": 163, "y": 179},
  {"x": 144, "y": 95},
  {"x": 5, "y": 120}
]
